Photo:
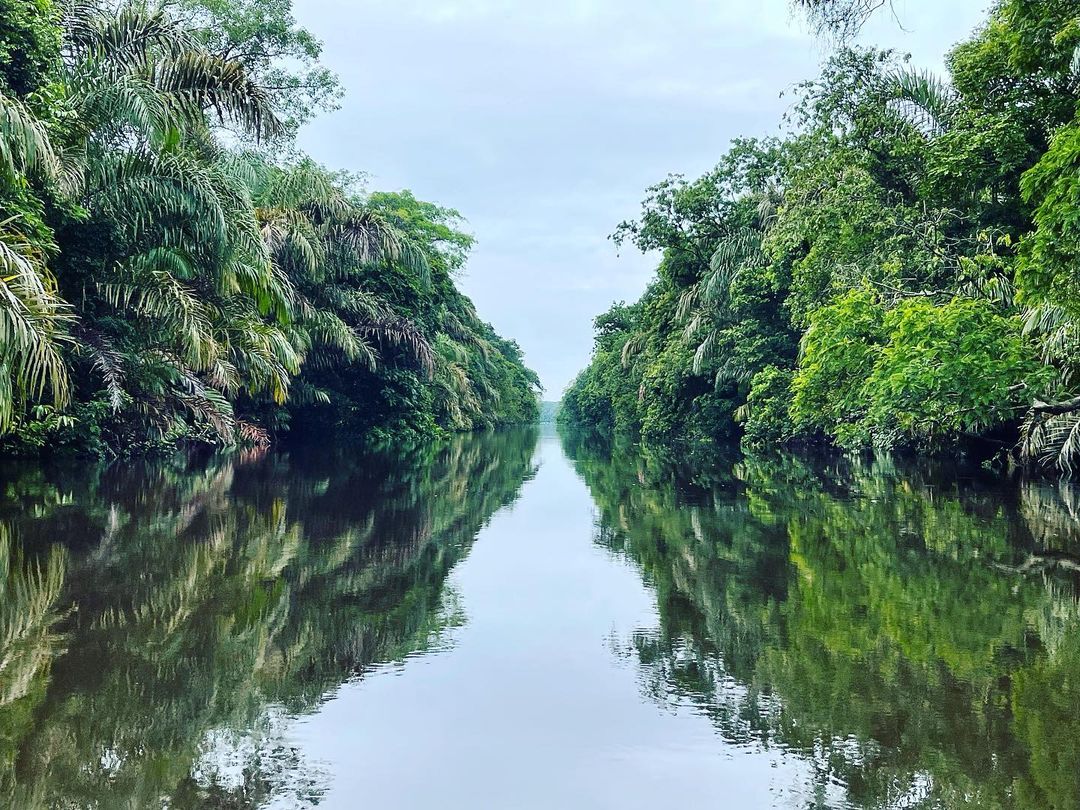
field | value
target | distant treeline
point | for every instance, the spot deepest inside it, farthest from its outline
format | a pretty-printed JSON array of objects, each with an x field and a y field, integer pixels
[
  {"x": 172, "y": 270},
  {"x": 548, "y": 412},
  {"x": 901, "y": 270}
]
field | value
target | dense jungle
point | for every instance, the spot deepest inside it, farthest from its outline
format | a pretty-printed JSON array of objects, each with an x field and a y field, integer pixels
[
  {"x": 284, "y": 522},
  {"x": 174, "y": 271},
  {"x": 896, "y": 271}
]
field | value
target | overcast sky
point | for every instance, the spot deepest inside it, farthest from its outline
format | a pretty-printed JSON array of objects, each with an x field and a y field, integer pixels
[{"x": 544, "y": 122}]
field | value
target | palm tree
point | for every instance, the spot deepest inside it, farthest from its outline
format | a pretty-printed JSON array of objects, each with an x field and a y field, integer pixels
[
  {"x": 923, "y": 99},
  {"x": 703, "y": 306},
  {"x": 202, "y": 280},
  {"x": 193, "y": 274},
  {"x": 321, "y": 240},
  {"x": 33, "y": 319}
]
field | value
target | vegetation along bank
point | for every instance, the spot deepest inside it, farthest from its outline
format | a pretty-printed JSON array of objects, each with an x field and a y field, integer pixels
[
  {"x": 900, "y": 269},
  {"x": 173, "y": 270}
]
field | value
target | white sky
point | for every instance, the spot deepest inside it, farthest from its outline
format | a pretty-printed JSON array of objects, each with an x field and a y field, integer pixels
[{"x": 543, "y": 123}]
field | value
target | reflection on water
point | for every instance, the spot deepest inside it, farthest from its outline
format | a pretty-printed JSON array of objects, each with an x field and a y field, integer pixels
[
  {"x": 158, "y": 623},
  {"x": 913, "y": 633},
  {"x": 826, "y": 633}
]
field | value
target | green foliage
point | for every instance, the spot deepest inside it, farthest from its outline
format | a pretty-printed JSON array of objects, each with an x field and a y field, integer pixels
[
  {"x": 949, "y": 370},
  {"x": 549, "y": 412},
  {"x": 170, "y": 288},
  {"x": 29, "y": 45},
  {"x": 264, "y": 37},
  {"x": 765, "y": 417},
  {"x": 1048, "y": 272},
  {"x": 603, "y": 395},
  {"x": 672, "y": 366},
  {"x": 917, "y": 374},
  {"x": 916, "y": 235},
  {"x": 475, "y": 378},
  {"x": 839, "y": 351}
]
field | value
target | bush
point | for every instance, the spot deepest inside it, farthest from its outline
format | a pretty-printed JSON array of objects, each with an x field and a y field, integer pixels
[
  {"x": 920, "y": 374},
  {"x": 766, "y": 417}
]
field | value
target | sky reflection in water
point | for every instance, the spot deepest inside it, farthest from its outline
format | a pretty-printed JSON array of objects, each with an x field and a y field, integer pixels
[{"x": 507, "y": 622}]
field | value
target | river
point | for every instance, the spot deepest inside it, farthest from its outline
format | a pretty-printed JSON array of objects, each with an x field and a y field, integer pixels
[{"x": 511, "y": 620}]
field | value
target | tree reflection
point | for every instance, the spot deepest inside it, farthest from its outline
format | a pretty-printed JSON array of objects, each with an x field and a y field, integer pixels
[
  {"x": 158, "y": 624},
  {"x": 911, "y": 630}
]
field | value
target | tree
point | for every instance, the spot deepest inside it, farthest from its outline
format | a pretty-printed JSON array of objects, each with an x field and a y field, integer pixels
[
  {"x": 277, "y": 52},
  {"x": 169, "y": 277},
  {"x": 840, "y": 18},
  {"x": 911, "y": 235}
]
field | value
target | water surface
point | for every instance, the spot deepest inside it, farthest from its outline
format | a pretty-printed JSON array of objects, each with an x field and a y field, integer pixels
[{"x": 514, "y": 622}]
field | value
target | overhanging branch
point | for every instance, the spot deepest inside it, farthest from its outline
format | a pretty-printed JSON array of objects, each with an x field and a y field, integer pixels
[{"x": 1056, "y": 408}]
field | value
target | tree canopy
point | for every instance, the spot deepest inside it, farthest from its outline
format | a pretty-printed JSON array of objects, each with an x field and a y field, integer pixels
[
  {"x": 173, "y": 269},
  {"x": 897, "y": 270}
]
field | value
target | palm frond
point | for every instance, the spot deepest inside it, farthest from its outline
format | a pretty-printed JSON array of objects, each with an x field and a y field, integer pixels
[
  {"x": 630, "y": 349},
  {"x": 401, "y": 332},
  {"x": 128, "y": 39},
  {"x": 108, "y": 363},
  {"x": 151, "y": 285},
  {"x": 110, "y": 104},
  {"x": 33, "y": 326},
  {"x": 728, "y": 259},
  {"x": 373, "y": 239},
  {"x": 1057, "y": 332},
  {"x": 688, "y": 302},
  {"x": 24, "y": 142},
  {"x": 1051, "y": 440},
  {"x": 197, "y": 83},
  {"x": 251, "y": 435},
  {"x": 705, "y": 351},
  {"x": 924, "y": 99}
]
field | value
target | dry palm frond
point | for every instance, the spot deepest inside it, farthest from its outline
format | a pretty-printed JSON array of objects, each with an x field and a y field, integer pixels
[
  {"x": 705, "y": 351},
  {"x": 251, "y": 435},
  {"x": 373, "y": 239}
]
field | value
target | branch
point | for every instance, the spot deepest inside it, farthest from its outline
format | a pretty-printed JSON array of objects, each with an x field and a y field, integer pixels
[
  {"x": 1056, "y": 408},
  {"x": 891, "y": 288},
  {"x": 1042, "y": 562}
]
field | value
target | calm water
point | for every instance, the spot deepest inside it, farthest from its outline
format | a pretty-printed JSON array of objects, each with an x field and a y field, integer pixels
[{"x": 512, "y": 621}]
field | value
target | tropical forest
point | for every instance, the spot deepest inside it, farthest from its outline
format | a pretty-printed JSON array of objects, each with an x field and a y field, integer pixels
[
  {"x": 897, "y": 271},
  {"x": 175, "y": 271},
  {"x": 367, "y": 441}
]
